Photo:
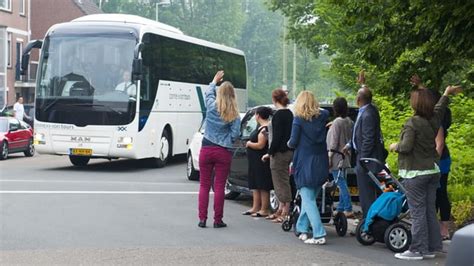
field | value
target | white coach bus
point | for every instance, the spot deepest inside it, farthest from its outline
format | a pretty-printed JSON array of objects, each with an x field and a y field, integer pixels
[{"x": 121, "y": 86}]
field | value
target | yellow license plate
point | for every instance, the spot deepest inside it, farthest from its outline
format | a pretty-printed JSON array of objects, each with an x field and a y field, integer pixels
[{"x": 81, "y": 152}]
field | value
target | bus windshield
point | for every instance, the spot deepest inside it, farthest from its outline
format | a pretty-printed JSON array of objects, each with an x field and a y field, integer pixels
[{"x": 86, "y": 80}]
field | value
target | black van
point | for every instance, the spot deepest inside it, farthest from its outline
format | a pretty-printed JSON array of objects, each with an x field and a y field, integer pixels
[{"x": 237, "y": 182}]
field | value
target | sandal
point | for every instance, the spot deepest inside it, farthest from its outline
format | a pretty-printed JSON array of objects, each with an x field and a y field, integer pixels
[
  {"x": 272, "y": 216},
  {"x": 257, "y": 214},
  {"x": 279, "y": 220},
  {"x": 248, "y": 212}
]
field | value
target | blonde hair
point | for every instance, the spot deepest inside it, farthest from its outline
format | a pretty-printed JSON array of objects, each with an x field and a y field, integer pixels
[
  {"x": 226, "y": 102},
  {"x": 306, "y": 105}
]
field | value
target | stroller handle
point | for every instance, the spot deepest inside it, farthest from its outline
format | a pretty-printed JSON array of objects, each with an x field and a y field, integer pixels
[{"x": 364, "y": 162}]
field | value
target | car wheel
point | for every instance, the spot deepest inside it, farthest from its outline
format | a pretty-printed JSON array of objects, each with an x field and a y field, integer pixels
[
  {"x": 229, "y": 194},
  {"x": 164, "y": 151},
  {"x": 397, "y": 237},
  {"x": 274, "y": 202},
  {"x": 191, "y": 173},
  {"x": 79, "y": 160},
  {"x": 30, "y": 150},
  {"x": 364, "y": 238},
  {"x": 4, "y": 154}
]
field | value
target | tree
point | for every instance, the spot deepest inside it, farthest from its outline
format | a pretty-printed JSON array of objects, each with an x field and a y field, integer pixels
[{"x": 393, "y": 39}]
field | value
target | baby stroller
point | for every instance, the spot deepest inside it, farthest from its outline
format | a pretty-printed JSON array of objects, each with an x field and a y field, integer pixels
[
  {"x": 325, "y": 201},
  {"x": 384, "y": 222}
]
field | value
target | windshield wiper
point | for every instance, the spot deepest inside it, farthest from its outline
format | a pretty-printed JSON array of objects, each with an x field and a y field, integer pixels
[{"x": 51, "y": 104}]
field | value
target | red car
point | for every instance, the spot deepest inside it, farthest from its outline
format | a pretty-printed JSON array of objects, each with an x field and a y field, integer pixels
[{"x": 15, "y": 136}]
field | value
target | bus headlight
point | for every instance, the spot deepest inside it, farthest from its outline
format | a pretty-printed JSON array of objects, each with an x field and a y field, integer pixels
[
  {"x": 125, "y": 140},
  {"x": 39, "y": 139}
]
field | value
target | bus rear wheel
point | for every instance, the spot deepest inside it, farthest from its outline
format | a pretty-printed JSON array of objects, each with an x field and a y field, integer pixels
[{"x": 79, "y": 160}]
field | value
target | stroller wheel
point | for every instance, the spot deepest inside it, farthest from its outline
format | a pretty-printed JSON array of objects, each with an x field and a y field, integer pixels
[
  {"x": 286, "y": 225},
  {"x": 340, "y": 221},
  {"x": 397, "y": 237},
  {"x": 363, "y": 237},
  {"x": 296, "y": 215}
]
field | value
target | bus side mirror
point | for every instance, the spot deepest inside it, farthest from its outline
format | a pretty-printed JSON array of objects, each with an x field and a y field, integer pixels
[
  {"x": 137, "y": 69},
  {"x": 25, "y": 58}
]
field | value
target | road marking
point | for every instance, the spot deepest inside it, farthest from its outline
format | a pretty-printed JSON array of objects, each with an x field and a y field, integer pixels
[
  {"x": 93, "y": 182},
  {"x": 98, "y": 192}
]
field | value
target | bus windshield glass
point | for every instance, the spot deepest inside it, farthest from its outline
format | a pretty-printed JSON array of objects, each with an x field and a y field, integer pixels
[{"x": 86, "y": 80}]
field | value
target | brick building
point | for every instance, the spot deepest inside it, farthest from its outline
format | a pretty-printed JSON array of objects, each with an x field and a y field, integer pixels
[
  {"x": 14, "y": 34},
  {"x": 18, "y": 25}
]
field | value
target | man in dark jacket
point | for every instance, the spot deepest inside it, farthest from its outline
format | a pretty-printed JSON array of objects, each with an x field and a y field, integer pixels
[{"x": 367, "y": 142}]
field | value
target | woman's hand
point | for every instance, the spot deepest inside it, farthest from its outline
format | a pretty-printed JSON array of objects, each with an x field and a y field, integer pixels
[
  {"x": 393, "y": 146},
  {"x": 346, "y": 150},
  {"x": 218, "y": 77},
  {"x": 415, "y": 80},
  {"x": 265, "y": 157},
  {"x": 247, "y": 144},
  {"x": 452, "y": 90}
]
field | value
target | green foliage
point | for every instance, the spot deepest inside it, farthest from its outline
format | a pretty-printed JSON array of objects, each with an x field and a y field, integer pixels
[
  {"x": 394, "y": 39},
  {"x": 462, "y": 211},
  {"x": 460, "y": 141},
  {"x": 459, "y": 192},
  {"x": 393, "y": 114}
]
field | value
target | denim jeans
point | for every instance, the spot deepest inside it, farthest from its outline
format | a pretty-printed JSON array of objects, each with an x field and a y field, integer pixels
[
  {"x": 310, "y": 213},
  {"x": 344, "y": 195}
]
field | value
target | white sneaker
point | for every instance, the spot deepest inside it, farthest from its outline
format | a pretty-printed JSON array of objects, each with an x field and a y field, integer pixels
[
  {"x": 316, "y": 241},
  {"x": 303, "y": 237},
  {"x": 429, "y": 255},
  {"x": 408, "y": 255}
]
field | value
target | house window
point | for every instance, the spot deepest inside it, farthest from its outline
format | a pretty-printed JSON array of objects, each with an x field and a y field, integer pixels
[
  {"x": 22, "y": 7},
  {"x": 3, "y": 61},
  {"x": 6, "y": 5},
  {"x": 9, "y": 50},
  {"x": 19, "y": 49}
]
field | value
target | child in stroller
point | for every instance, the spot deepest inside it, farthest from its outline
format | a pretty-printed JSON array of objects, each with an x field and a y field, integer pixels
[
  {"x": 384, "y": 222},
  {"x": 325, "y": 201}
]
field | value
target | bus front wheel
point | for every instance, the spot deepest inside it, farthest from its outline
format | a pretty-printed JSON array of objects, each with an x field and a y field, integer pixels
[
  {"x": 79, "y": 160},
  {"x": 164, "y": 150}
]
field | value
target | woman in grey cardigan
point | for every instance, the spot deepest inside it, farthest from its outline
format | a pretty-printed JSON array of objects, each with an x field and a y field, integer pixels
[
  {"x": 338, "y": 135},
  {"x": 417, "y": 158}
]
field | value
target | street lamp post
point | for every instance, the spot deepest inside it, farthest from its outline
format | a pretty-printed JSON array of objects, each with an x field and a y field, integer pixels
[
  {"x": 285, "y": 80},
  {"x": 293, "y": 89},
  {"x": 160, "y": 3}
]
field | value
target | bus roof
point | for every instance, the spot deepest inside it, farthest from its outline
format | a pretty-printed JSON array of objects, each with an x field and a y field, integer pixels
[
  {"x": 152, "y": 26},
  {"x": 132, "y": 19}
]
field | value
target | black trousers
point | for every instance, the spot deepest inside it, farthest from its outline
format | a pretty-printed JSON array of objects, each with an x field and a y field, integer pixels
[
  {"x": 442, "y": 200},
  {"x": 367, "y": 189}
]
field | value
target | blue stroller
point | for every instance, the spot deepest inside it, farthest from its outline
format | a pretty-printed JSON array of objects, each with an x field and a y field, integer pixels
[{"x": 384, "y": 222}]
